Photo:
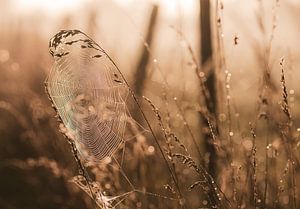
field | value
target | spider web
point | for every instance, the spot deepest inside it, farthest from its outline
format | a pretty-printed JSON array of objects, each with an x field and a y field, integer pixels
[
  {"x": 90, "y": 97},
  {"x": 90, "y": 104}
]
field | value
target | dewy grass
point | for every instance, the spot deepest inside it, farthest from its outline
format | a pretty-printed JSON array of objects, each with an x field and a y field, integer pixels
[{"x": 217, "y": 198}]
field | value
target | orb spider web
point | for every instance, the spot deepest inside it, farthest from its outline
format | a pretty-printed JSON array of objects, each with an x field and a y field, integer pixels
[{"x": 90, "y": 96}]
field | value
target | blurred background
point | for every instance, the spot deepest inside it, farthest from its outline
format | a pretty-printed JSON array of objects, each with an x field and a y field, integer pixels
[{"x": 149, "y": 40}]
